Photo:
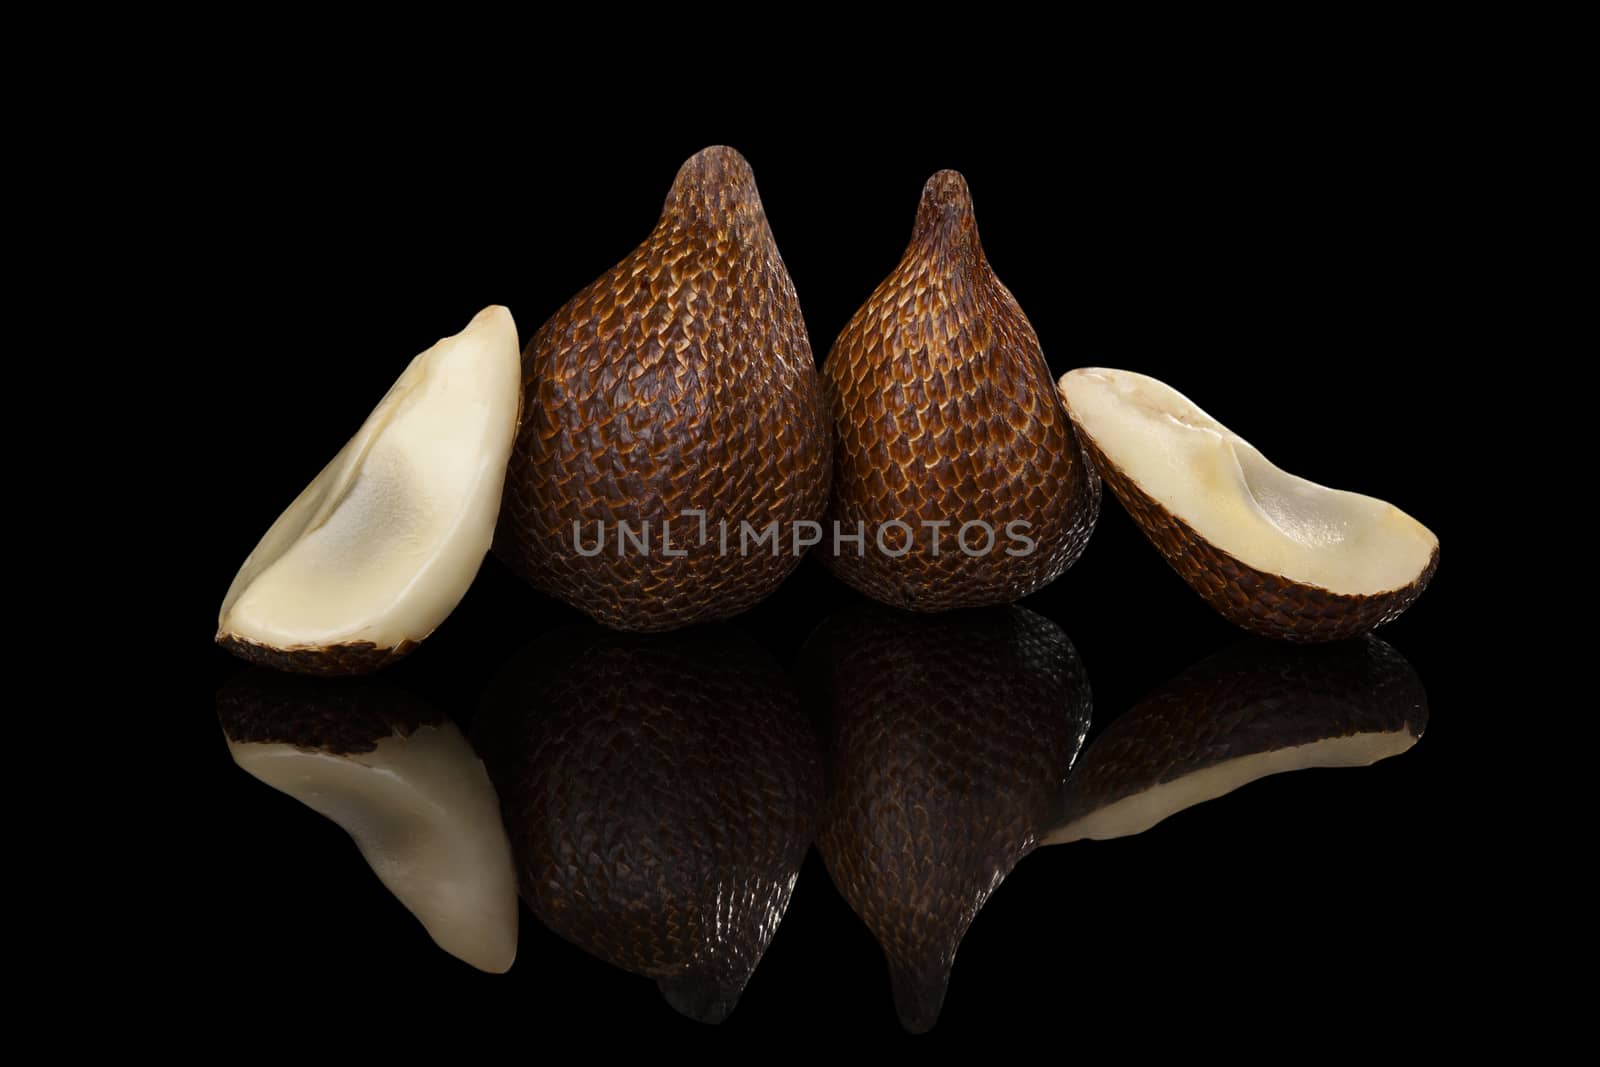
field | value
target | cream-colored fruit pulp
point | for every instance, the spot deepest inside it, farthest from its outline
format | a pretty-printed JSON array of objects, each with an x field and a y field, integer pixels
[
  {"x": 423, "y": 813},
  {"x": 1233, "y": 496},
  {"x": 384, "y": 543},
  {"x": 1137, "y": 813}
]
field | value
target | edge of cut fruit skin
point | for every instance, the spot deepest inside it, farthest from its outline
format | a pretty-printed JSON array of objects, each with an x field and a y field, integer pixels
[{"x": 1257, "y": 600}]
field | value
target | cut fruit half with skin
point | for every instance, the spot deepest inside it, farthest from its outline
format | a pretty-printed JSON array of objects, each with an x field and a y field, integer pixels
[
  {"x": 406, "y": 786},
  {"x": 1274, "y": 553},
  {"x": 380, "y": 548}
]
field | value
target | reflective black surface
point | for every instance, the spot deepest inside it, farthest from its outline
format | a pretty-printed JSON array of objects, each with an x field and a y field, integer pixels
[
  {"x": 948, "y": 738},
  {"x": 1276, "y": 267},
  {"x": 402, "y": 780},
  {"x": 660, "y": 793},
  {"x": 1257, "y": 708}
]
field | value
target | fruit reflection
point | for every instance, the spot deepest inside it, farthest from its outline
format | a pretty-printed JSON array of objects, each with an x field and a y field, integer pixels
[
  {"x": 948, "y": 737},
  {"x": 406, "y": 786},
  {"x": 1255, "y": 709},
  {"x": 660, "y": 793}
]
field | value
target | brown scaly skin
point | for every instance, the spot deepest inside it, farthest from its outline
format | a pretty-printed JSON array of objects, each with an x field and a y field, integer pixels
[
  {"x": 660, "y": 793},
  {"x": 682, "y": 379},
  {"x": 948, "y": 737},
  {"x": 359, "y": 657},
  {"x": 944, "y": 409},
  {"x": 1266, "y": 604},
  {"x": 1257, "y": 696},
  {"x": 338, "y": 717}
]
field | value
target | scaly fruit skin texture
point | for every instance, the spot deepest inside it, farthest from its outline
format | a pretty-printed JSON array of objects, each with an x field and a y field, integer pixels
[
  {"x": 660, "y": 792},
  {"x": 944, "y": 410},
  {"x": 333, "y": 661},
  {"x": 948, "y": 738},
  {"x": 262, "y": 706},
  {"x": 681, "y": 380}
]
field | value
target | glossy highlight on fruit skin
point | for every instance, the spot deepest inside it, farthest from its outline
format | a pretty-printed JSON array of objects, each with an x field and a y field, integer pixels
[
  {"x": 402, "y": 781},
  {"x": 944, "y": 411},
  {"x": 681, "y": 380},
  {"x": 1255, "y": 709},
  {"x": 660, "y": 792},
  {"x": 1273, "y": 553},
  {"x": 948, "y": 737},
  {"x": 382, "y": 545}
]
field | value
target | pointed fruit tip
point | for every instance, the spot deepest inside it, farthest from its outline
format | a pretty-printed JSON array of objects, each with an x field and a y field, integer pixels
[
  {"x": 703, "y": 999},
  {"x": 492, "y": 311},
  {"x": 717, "y": 159},
  {"x": 494, "y": 314},
  {"x": 491, "y": 326},
  {"x": 495, "y": 961},
  {"x": 944, "y": 215},
  {"x": 947, "y": 191},
  {"x": 918, "y": 995},
  {"x": 716, "y": 175}
]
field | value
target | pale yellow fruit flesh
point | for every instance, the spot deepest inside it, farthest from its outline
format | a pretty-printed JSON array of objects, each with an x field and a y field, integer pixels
[
  {"x": 423, "y": 813},
  {"x": 1138, "y": 812},
  {"x": 384, "y": 543},
  {"x": 1236, "y": 499}
]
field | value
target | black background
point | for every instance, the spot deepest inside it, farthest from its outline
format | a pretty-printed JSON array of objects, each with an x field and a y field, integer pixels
[{"x": 1283, "y": 260}]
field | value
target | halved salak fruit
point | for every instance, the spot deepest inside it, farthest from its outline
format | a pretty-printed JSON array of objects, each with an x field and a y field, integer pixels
[
  {"x": 1276, "y": 554},
  {"x": 380, "y": 548},
  {"x": 403, "y": 782},
  {"x": 1256, "y": 709}
]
